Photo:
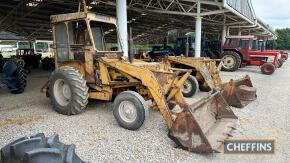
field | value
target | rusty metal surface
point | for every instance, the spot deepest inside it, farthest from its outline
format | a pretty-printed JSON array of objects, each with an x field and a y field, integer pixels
[
  {"x": 203, "y": 126},
  {"x": 239, "y": 93},
  {"x": 185, "y": 132}
]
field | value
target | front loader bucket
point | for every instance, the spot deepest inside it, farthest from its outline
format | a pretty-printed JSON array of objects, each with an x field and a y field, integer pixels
[
  {"x": 203, "y": 126},
  {"x": 239, "y": 93}
]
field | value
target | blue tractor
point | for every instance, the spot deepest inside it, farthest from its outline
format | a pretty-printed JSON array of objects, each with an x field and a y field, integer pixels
[
  {"x": 185, "y": 46},
  {"x": 161, "y": 52},
  {"x": 12, "y": 75}
]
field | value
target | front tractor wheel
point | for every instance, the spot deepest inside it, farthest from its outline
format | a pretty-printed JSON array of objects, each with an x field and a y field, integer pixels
[
  {"x": 130, "y": 110},
  {"x": 231, "y": 61},
  {"x": 268, "y": 68},
  {"x": 284, "y": 58},
  {"x": 280, "y": 63},
  {"x": 68, "y": 91},
  {"x": 190, "y": 87}
]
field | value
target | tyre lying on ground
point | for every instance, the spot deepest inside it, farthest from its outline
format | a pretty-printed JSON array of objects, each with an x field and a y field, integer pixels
[{"x": 39, "y": 149}]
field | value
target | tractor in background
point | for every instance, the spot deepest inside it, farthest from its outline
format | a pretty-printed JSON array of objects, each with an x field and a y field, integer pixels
[
  {"x": 185, "y": 46},
  {"x": 205, "y": 73},
  {"x": 285, "y": 55},
  {"x": 30, "y": 58},
  {"x": 12, "y": 75},
  {"x": 270, "y": 47},
  {"x": 240, "y": 51}
]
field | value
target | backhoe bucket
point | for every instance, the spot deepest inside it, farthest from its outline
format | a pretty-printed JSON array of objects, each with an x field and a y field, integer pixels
[
  {"x": 239, "y": 93},
  {"x": 203, "y": 126}
]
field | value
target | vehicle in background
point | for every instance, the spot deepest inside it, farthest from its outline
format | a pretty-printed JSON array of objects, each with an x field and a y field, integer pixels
[
  {"x": 185, "y": 46},
  {"x": 160, "y": 52},
  {"x": 245, "y": 50}
]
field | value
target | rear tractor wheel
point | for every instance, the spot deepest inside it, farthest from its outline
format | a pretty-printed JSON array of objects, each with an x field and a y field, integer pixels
[
  {"x": 130, "y": 110},
  {"x": 231, "y": 61},
  {"x": 268, "y": 68},
  {"x": 68, "y": 91},
  {"x": 190, "y": 87},
  {"x": 20, "y": 78}
]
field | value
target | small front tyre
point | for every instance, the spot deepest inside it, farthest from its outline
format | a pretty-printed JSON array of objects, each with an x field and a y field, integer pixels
[
  {"x": 268, "y": 68},
  {"x": 280, "y": 63},
  {"x": 130, "y": 110},
  {"x": 190, "y": 87}
]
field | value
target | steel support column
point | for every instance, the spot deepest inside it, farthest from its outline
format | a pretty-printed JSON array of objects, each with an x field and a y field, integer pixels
[
  {"x": 240, "y": 32},
  {"x": 224, "y": 34},
  {"x": 228, "y": 31},
  {"x": 122, "y": 24},
  {"x": 198, "y": 30}
]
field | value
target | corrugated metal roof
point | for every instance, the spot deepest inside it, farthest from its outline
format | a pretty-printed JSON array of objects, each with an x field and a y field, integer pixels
[
  {"x": 10, "y": 36},
  {"x": 244, "y": 7}
]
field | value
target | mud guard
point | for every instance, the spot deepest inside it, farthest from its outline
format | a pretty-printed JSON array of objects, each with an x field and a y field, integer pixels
[
  {"x": 239, "y": 93},
  {"x": 202, "y": 127}
]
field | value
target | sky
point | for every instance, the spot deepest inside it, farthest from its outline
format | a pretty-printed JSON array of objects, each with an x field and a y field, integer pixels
[{"x": 276, "y": 13}]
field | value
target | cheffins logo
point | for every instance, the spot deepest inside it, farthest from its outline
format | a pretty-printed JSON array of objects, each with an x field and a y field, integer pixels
[{"x": 249, "y": 146}]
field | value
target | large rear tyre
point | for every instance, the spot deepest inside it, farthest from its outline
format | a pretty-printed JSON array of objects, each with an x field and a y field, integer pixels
[
  {"x": 268, "y": 68},
  {"x": 2, "y": 62},
  {"x": 20, "y": 77},
  {"x": 231, "y": 61},
  {"x": 130, "y": 110},
  {"x": 190, "y": 87},
  {"x": 39, "y": 149},
  {"x": 68, "y": 91}
]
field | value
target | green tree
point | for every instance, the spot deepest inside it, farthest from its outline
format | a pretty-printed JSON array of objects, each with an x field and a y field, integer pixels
[{"x": 283, "y": 41}]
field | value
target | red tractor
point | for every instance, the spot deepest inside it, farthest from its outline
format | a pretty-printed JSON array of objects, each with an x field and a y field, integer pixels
[
  {"x": 246, "y": 50},
  {"x": 284, "y": 54}
]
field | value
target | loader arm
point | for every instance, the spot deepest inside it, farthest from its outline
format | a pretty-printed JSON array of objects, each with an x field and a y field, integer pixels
[
  {"x": 148, "y": 79},
  {"x": 237, "y": 93},
  {"x": 205, "y": 68}
]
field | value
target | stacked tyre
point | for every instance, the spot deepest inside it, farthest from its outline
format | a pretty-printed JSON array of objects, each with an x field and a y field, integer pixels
[
  {"x": 2, "y": 62},
  {"x": 20, "y": 78}
]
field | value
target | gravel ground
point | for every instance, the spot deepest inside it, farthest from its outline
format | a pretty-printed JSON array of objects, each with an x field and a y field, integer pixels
[{"x": 99, "y": 138}]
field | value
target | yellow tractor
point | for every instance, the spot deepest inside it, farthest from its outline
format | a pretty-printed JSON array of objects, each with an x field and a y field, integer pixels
[{"x": 90, "y": 65}]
